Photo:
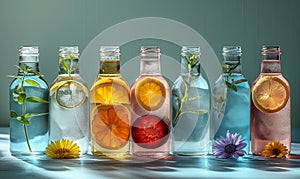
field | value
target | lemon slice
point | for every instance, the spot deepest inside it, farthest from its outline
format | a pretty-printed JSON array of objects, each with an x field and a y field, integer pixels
[
  {"x": 70, "y": 94},
  {"x": 270, "y": 94},
  {"x": 150, "y": 94}
]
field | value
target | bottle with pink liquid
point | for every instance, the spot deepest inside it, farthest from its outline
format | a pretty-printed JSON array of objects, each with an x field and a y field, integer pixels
[
  {"x": 270, "y": 104},
  {"x": 150, "y": 102}
]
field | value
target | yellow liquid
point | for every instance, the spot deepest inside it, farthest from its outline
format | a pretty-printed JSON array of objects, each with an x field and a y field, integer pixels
[{"x": 110, "y": 116}]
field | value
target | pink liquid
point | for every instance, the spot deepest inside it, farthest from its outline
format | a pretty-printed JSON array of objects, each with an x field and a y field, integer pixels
[
  {"x": 267, "y": 127},
  {"x": 150, "y": 129}
]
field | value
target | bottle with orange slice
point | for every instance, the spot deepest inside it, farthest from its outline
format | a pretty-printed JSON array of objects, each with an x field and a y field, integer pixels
[
  {"x": 110, "y": 108},
  {"x": 191, "y": 106},
  {"x": 69, "y": 101},
  {"x": 150, "y": 102},
  {"x": 270, "y": 104}
]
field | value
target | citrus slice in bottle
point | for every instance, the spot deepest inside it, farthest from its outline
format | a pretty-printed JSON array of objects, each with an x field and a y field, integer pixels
[
  {"x": 70, "y": 94},
  {"x": 110, "y": 125},
  {"x": 270, "y": 94},
  {"x": 109, "y": 91},
  {"x": 150, "y": 132},
  {"x": 150, "y": 94}
]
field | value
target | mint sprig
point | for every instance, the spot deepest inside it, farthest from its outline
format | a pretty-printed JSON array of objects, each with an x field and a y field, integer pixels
[
  {"x": 19, "y": 95},
  {"x": 192, "y": 61},
  {"x": 232, "y": 84},
  {"x": 66, "y": 66}
]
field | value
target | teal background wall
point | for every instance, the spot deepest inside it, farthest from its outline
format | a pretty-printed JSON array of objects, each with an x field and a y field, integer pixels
[{"x": 248, "y": 23}]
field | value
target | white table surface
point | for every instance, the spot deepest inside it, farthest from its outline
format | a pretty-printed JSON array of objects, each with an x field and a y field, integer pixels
[{"x": 174, "y": 167}]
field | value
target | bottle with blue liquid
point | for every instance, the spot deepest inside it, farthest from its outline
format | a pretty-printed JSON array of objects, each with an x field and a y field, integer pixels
[
  {"x": 191, "y": 107},
  {"x": 28, "y": 103},
  {"x": 231, "y": 98}
]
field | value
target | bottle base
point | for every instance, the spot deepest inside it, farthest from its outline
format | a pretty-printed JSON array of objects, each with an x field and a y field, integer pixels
[
  {"x": 111, "y": 155},
  {"x": 17, "y": 154},
  {"x": 147, "y": 154},
  {"x": 195, "y": 154}
]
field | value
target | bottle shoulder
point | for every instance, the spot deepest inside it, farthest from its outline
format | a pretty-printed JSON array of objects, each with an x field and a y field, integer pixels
[
  {"x": 110, "y": 80},
  {"x": 77, "y": 78},
  {"x": 38, "y": 79},
  {"x": 194, "y": 81},
  {"x": 158, "y": 77},
  {"x": 278, "y": 75}
]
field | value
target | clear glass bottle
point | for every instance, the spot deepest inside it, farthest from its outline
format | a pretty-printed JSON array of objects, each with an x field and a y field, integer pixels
[
  {"x": 270, "y": 104},
  {"x": 231, "y": 100},
  {"x": 110, "y": 107},
  {"x": 28, "y": 106},
  {"x": 69, "y": 101},
  {"x": 191, "y": 107},
  {"x": 150, "y": 102}
]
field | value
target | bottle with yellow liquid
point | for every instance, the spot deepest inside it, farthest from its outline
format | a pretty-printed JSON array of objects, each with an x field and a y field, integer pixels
[
  {"x": 110, "y": 108},
  {"x": 150, "y": 101},
  {"x": 69, "y": 103},
  {"x": 270, "y": 104}
]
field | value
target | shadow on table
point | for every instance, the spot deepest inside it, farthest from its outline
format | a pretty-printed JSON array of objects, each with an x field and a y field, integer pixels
[{"x": 159, "y": 168}]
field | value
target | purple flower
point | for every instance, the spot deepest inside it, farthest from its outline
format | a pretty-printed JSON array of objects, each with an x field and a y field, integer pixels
[{"x": 229, "y": 147}]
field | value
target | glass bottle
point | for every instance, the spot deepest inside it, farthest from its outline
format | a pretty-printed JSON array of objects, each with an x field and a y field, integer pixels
[
  {"x": 28, "y": 100},
  {"x": 191, "y": 107},
  {"x": 270, "y": 104},
  {"x": 110, "y": 108},
  {"x": 231, "y": 100},
  {"x": 69, "y": 101},
  {"x": 150, "y": 102}
]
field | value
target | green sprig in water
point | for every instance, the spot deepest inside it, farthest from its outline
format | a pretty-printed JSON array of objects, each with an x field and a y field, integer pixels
[
  {"x": 66, "y": 66},
  {"x": 192, "y": 62},
  {"x": 232, "y": 84},
  {"x": 20, "y": 96}
]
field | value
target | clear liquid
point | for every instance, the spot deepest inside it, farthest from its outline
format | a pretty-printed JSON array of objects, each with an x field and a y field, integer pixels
[
  {"x": 236, "y": 114},
  {"x": 70, "y": 123},
  {"x": 191, "y": 131},
  {"x": 267, "y": 127},
  {"x": 38, "y": 128}
]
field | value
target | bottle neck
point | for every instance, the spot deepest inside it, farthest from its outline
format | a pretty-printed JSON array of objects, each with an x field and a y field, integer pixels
[
  {"x": 271, "y": 59},
  {"x": 270, "y": 66},
  {"x": 193, "y": 69},
  {"x": 150, "y": 66},
  {"x": 109, "y": 67},
  {"x": 232, "y": 64},
  {"x": 68, "y": 66},
  {"x": 31, "y": 61}
]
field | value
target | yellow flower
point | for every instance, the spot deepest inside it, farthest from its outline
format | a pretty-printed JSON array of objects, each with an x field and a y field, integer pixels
[
  {"x": 62, "y": 149},
  {"x": 275, "y": 150}
]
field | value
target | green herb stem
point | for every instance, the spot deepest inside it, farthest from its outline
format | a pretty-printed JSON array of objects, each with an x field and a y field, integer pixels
[
  {"x": 185, "y": 97},
  {"x": 23, "y": 114},
  {"x": 23, "y": 119},
  {"x": 27, "y": 138}
]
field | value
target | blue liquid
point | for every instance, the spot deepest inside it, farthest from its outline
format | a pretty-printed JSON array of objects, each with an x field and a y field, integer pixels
[
  {"x": 237, "y": 112},
  {"x": 37, "y": 130},
  {"x": 190, "y": 134}
]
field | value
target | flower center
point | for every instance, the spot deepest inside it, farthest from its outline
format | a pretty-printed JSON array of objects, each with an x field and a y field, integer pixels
[
  {"x": 63, "y": 151},
  {"x": 230, "y": 148},
  {"x": 275, "y": 151}
]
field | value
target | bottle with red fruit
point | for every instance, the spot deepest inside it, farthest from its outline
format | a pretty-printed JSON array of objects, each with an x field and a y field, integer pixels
[{"x": 150, "y": 102}]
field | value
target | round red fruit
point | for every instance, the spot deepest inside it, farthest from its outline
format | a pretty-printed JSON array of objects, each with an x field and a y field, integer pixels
[{"x": 150, "y": 132}]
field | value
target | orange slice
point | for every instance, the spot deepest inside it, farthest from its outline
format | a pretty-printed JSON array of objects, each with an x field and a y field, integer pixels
[
  {"x": 110, "y": 125},
  {"x": 70, "y": 94},
  {"x": 150, "y": 94},
  {"x": 270, "y": 94},
  {"x": 109, "y": 91}
]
